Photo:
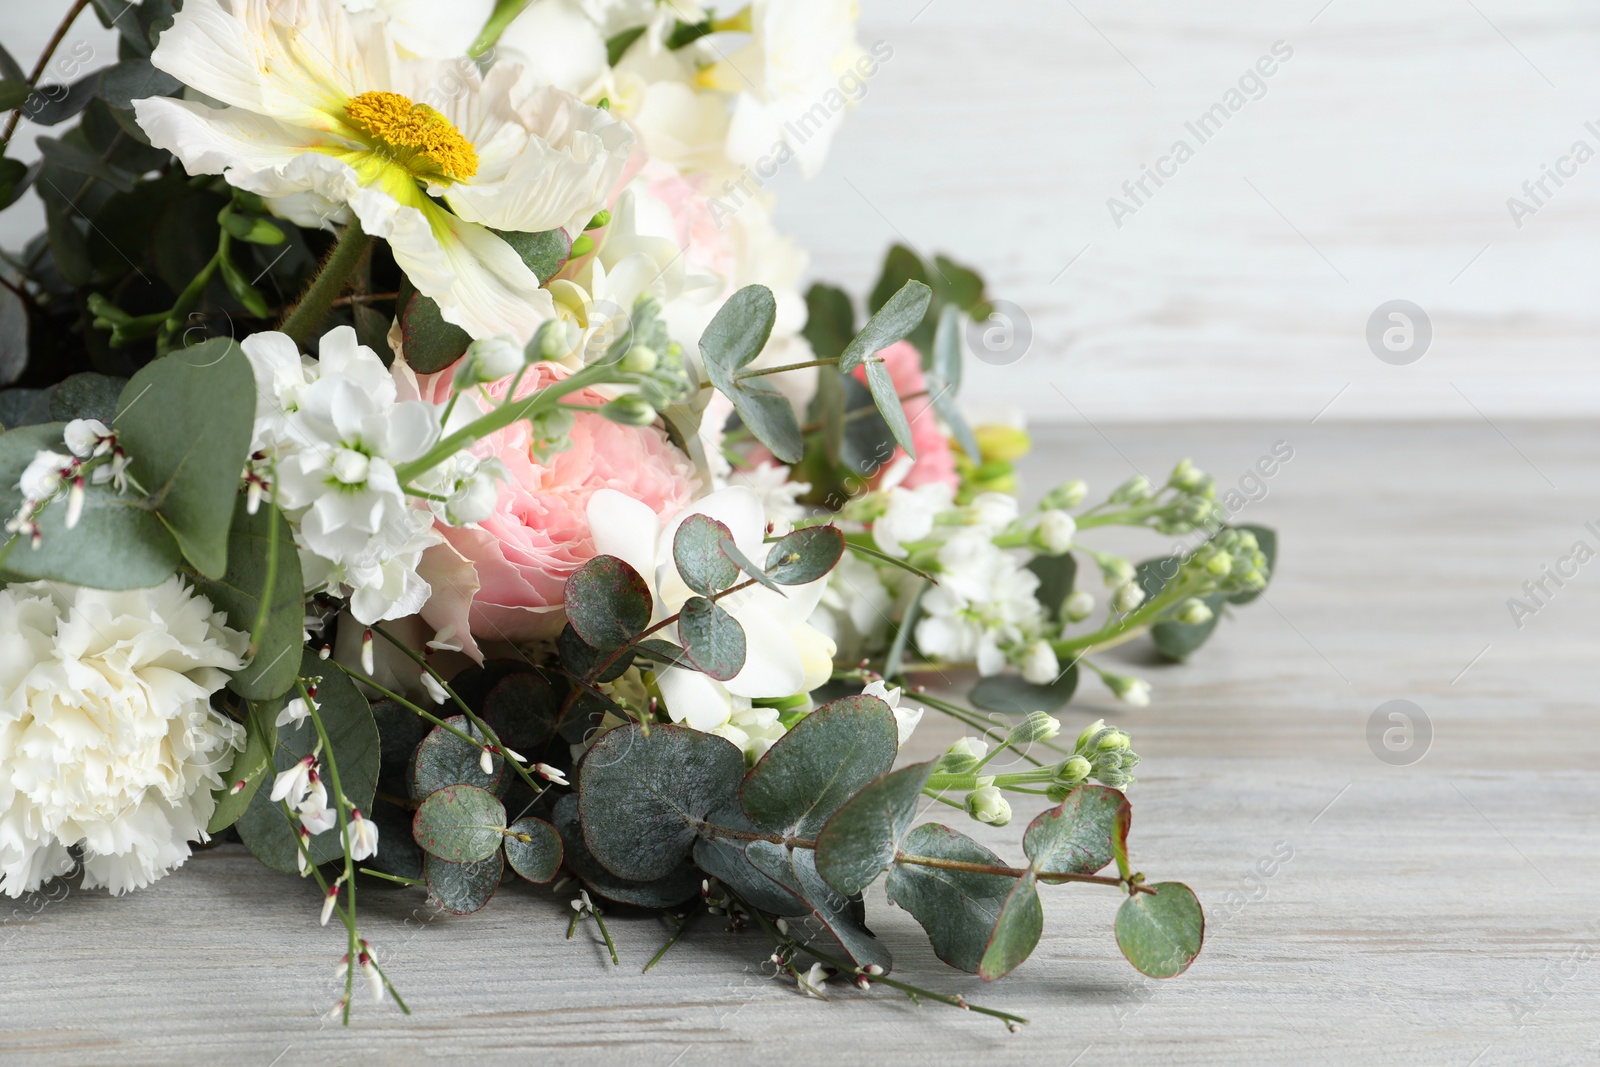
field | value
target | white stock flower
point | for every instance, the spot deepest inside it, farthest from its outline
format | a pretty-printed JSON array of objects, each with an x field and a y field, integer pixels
[
  {"x": 326, "y": 121},
  {"x": 910, "y": 515},
  {"x": 854, "y": 611},
  {"x": 778, "y": 494},
  {"x": 108, "y": 744},
  {"x": 1039, "y": 664},
  {"x": 905, "y": 719},
  {"x": 336, "y": 431},
  {"x": 1055, "y": 532},
  {"x": 983, "y": 608},
  {"x": 784, "y": 654}
]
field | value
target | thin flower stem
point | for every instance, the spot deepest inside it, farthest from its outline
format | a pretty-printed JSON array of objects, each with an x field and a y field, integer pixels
[
  {"x": 409, "y": 706},
  {"x": 1140, "y": 616},
  {"x": 270, "y": 584},
  {"x": 604, "y": 664},
  {"x": 883, "y": 557},
  {"x": 341, "y": 804},
  {"x": 611, "y": 946},
  {"x": 328, "y": 284},
  {"x": 392, "y": 877},
  {"x": 682, "y": 925},
  {"x": 471, "y": 715},
  {"x": 38, "y": 68}
]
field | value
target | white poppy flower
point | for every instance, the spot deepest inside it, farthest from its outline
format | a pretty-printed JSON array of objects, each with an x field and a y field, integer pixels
[
  {"x": 784, "y": 654},
  {"x": 326, "y": 121},
  {"x": 428, "y": 27}
]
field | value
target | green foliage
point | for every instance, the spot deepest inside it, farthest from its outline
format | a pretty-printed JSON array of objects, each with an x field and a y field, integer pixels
[
  {"x": 252, "y": 765},
  {"x": 444, "y": 759},
  {"x": 697, "y": 551},
  {"x": 1080, "y": 835},
  {"x": 544, "y": 253},
  {"x": 119, "y": 543},
  {"x": 805, "y": 555},
  {"x": 862, "y": 838},
  {"x": 463, "y": 888},
  {"x": 191, "y": 466},
  {"x": 264, "y": 828},
  {"x": 1013, "y": 695},
  {"x": 1161, "y": 934},
  {"x": 1056, "y": 575},
  {"x": 539, "y": 857},
  {"x": 1016, "y": 930},
  {"x": 86, "y": 396},
  {"x": 1267, "y": 542},
  {"x": 897, "y": 316},
  {"x": 957, "y": 909},
  {"x": 272, "y": 670},
  {"x": 607, "y": 603},
  {"x": 840, "y": 917},
  {"x": 431, "y": 343},
  {"x": 736, "y": 335},
  {"x": 712, "y": 639},
  {"x": 673, "y": 888},
  {"x": 824, "y": 760},
  {"x": 944, "y": 380},
  {"x": 460, "y": 823}
]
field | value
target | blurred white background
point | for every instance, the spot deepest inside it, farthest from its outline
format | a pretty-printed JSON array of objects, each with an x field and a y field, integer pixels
[{"x": 1376, "y": 165}]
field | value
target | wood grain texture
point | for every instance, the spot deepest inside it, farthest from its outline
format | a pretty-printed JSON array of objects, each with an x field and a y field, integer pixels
[{"x": 1427, "y": 915}]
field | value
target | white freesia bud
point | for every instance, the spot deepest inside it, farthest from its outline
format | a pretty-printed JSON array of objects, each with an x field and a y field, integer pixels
[
  {"x": 1128, "y": 596},
  {"x": 1116, "y": 570},
  {"x": 1079, "y": 606},
  {"x": 1194, "y": 611},
  {"x": 988, "y": 805},
  {"x": 553, "y": 341},
  {"x": 1055, "y": 532},
  {"x": 489, "y": 359},
  {"x": 75, "y": 502},
  {"x": 973, "y": 747},
  {"x": 328, "y": 903},
  {"x": 1039, "y": 664}
]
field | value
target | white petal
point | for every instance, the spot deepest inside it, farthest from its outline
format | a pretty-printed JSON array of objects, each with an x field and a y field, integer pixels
[
  {"x": 772, "y": 664},
  {"x": 624, "y": 527},
  {"x": 694, "y": 699},
  {"x": 557, "y": 44}
]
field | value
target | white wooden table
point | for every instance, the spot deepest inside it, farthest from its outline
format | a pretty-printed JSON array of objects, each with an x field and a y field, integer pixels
[{"x": 1439, "y": 913}]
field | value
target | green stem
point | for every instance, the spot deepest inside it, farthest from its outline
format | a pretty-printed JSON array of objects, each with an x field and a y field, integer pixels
[
  {"x": 763, "y": 371},
  {"x": 683, "y": 924},
  {"x": 38, "y": 68},
  {"x": 328, "y": 285},
  {"x": 409, "y": 706},
  {"x": 505, "y": 12},
  {"x": 1140, "y": 616},
  {"x": 392, "y": 877}
]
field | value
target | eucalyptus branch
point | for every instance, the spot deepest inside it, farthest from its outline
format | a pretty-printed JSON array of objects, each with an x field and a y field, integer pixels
[
  {"x": 38, "y": 68},
  {"x": 596, "y": 671},
  {"x": 762, "y": 372}
]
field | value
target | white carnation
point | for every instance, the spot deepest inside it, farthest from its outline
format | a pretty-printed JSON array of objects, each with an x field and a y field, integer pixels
[{"x": 108, "y": 744}]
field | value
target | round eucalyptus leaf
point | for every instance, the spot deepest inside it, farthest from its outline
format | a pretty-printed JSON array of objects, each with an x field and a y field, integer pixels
[
  {"x": 697, "y": 550},
  {"x": 1161, "y": 934},
  {"x": 460, "y": 823},
  {"x": 819, "y": 764},
  {"x": 957, "y": 909},
  {"x": 672, "y": 888},
  {"x": 1016, "y": 931},
  {"x": 1010, "y": 694},
  {"x": 805, "y": 555},
  {"x": 443, "y": 759},
  {"x": 861, "y": 839},
  {"x": 463, "y": 888},
  {"x": 1081, "y": 834},
  {"x": 607, "y": 603},
  {"x": 538, "y": 858},
  {"x": 712, "y": 639}
]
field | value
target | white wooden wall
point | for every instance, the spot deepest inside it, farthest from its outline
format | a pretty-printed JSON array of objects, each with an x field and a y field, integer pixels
[{"x": 1376, "y": 166}]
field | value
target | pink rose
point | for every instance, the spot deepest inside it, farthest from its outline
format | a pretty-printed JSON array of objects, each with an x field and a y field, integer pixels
[
  {"x": 935, "y": 461},
  {"x": 503, "y": 579}
]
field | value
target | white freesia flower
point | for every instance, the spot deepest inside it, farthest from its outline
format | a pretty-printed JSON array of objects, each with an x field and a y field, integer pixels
[
  {"x": 784, "y": 654},
  {"x": 326, "y": 121},
  {"x": 108, "y": 744},
  {"x": 855, "y": 610},
  {"x": 905, "y": 719},
  {"x": 335, "y": 432}
]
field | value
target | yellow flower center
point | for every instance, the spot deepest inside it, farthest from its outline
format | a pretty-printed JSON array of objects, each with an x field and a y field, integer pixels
[{"x": 414, "y": 133}]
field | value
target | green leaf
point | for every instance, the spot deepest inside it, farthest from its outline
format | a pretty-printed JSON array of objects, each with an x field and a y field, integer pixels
[
  {"x": 238, "y": 592},
  {"x": 15, "y": 177},
  {"x": 135, "y": 79},
  {"x": 1016, "y": 932},
  {"x": 697, "y": 550},
  {"x": 829, "y": 405},
  {"x": 70, "y": 157},
  {"x": 460, "y": 823},
  {"x": 1081, "y": 834},
  {"x": 86, "y": 396},
  {"x": 736, "y": 336},
  {"x": 830, "y": 321},
  {"x": 538, "y": 858},
  {"x": 900, "y": 265},
  {"x": 1267, "y": 541},
  {"x": 68, "y": 246},
  {"x": 641, "y": 798},
  {"x": 443, "y": 760},
  {"x": 544, "y": 252},
  {"x": 356, "y": 748},
  {"x": 240, "y": 288},
  {"x": 191, "y": 465},
  {"x": 118, "y": 543},
  {"x": 55, "y": 104},
  {"x": 960, "y": 286},
  {"x": 1012, "y": 695},
  {"x": 1056, "y": 575},
  {"x": 889, "y": 406},
  {"x": 1161, "y": 934},
  {"x": 898, "y": 316},
  {"x": 252, "y": 765},
  {"x": 861, "y": 839},
  {"x": 839, "y": 916},
  {"x": 957, "y": 909},
  {"x": 13, "y": 94},
  {"x": 944, "y": 380},
  {"x": 672, "y": 888},
  {"x": 1179, "y": 640},
  {"x": 619, "y": 43},
  {"x": 10, "y": 69},
  {"x": 819, "y": 764},
  {"x": 607, "y": 603},
  {"x": 431, "y": 344},
  {"x": 712, "y": 639},
  {"x": 805, "y": 555},
  {"x": 521, "y": 709},
  {"x": 463, "y": 888},
  {"x": 665, "y": 652}
]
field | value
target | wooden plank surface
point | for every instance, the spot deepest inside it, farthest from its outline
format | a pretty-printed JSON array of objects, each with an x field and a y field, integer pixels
[{"x": 1438, "y": 913}]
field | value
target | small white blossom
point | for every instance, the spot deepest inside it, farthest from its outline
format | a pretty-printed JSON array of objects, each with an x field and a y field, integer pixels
[
  {"x": 293, "y": 784},
  {"x": 43, "y": 474},
  {"x": 296, "y": 711},
  {"x": 87, "y": 437},
  {"x": 1039, "y": 664},
  {"x": 910, "y": 516},
  {"x": 551, "y": 774},
  {"x": 363, "y": 836},
  {"x": 1055, "y": 532},
  {"x": 811, "y": 983},
  {"x": 905, "y": 719},
  {"x": 328, "y": 903},
  {"x": 435, "y": 691}
]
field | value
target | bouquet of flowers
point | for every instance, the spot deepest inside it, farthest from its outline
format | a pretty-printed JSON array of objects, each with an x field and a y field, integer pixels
[{"x": 422, "y": 465}]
